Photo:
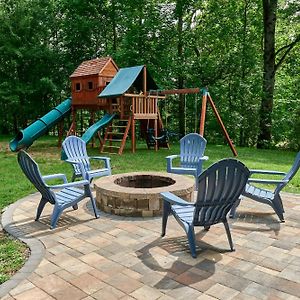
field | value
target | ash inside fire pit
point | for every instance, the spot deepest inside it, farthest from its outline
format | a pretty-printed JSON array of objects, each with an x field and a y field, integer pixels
[
  {"x": 144, "y": 181},
  {"x": 137, "y": 194}
]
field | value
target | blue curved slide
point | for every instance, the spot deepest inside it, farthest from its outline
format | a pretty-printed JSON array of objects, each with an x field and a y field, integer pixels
[
  {"x": 27, "y": 136},
  {"x": 91, "y": 131}
]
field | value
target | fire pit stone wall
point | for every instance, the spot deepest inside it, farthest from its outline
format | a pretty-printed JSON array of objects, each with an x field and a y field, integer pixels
[{"x": 137, "y": 194}]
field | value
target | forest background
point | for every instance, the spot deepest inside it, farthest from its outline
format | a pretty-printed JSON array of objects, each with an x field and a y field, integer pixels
[{"x": 245, "y": 51}]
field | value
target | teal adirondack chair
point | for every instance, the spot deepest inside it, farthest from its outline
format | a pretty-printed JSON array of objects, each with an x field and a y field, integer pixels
[
  {"x": 219, "y": 188},
  {"x": 192, "y": 147},
  {"x": 75, "y": 150},
  {"x": 61, "y": 196},
  {"x": 266, "y": 196}
]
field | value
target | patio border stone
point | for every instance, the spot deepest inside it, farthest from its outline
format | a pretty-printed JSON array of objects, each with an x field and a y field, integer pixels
[{"x": 37, "y": 249}]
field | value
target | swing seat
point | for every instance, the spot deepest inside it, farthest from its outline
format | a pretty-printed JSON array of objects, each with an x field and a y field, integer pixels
[
  {"x": 192, "y": 147},
  {"x": 162, "y": 140}
]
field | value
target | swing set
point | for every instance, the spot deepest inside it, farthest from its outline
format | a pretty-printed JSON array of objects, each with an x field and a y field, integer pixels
[{"x": 206, "y": 98}]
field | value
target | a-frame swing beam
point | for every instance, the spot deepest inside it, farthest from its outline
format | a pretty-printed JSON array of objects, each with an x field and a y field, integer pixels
[{"x": 205, "y": 97}]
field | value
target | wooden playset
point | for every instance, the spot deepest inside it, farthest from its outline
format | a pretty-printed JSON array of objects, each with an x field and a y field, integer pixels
[{"x": 127, "y": 95}]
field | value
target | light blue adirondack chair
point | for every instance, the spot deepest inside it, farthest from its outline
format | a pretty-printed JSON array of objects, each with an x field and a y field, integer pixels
[
  {"x": 61, "y": 196},
  {"x": 75, "y": 150},
  {"x": 192, "y": 147},
  {"x": 219, "y": 188},
  {"x": 270, "y": 197}
]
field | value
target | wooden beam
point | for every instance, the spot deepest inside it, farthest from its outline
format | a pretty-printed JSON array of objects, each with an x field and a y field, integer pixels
[
  {"x": 142, "y": 96},
  {"x": 203, "y": 114},
  {"x": 179, "y": 91},
  {"x": 212, "y": 104},
  {"x": 145, "y": 81}
]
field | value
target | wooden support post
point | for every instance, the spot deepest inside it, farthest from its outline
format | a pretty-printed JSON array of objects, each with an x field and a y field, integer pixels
[
  {"x": 203, "y": 112},
  {"x": 60, "y": 133},
  {"x": 72, "y": 130},
  {"x": 155, "y": 134},
  {"x": 133, "y": 134},
  {"x": 145, "y": 81},
  {"x": 92, "y": 121},
  {"x": 211, "y": 102}
]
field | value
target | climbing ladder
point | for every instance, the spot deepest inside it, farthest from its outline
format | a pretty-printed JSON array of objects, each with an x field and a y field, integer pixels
[{"x": 115, "y": 136}]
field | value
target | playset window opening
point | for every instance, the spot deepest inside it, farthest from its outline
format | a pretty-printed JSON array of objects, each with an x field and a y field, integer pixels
[{"x": 77, "y": 86}]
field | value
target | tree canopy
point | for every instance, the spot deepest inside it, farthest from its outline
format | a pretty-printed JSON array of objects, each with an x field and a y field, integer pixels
[{"x": 246, "y": 53}]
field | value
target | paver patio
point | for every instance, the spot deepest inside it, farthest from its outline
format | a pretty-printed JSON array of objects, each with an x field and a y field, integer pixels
[{"x": 125, "y": 258}]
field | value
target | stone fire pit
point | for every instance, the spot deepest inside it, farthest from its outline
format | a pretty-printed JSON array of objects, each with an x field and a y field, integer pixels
[{"x": 137, "y": 194}]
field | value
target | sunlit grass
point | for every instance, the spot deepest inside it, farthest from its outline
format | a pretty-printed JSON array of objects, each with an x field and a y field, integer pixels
[
  {"x": 14, "y": 185},
  {"x": 12, "y": 256}
]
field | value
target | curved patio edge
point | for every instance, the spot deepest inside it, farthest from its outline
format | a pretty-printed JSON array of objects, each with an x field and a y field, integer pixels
[{"x": 36, "y": 247}]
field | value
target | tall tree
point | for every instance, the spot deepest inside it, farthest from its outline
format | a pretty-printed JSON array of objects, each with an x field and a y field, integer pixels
[{"x": 270, "y": 66}]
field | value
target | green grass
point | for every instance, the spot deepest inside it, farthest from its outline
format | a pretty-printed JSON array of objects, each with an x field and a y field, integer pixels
[
  {"x": 14, "y": 185},
  {"x": 12, "y": 256},
  {"x": 47, "y": 154}
]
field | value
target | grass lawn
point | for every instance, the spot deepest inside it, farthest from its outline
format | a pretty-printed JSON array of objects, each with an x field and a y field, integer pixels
[{"x": 14, "y": 185}]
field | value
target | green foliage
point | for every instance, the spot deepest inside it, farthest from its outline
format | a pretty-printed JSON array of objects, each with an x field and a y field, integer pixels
[{"x": 218, "y": 44}]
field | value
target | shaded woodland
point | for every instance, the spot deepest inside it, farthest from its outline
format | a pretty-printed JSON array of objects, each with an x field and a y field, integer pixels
[{"x": 246, "y": 52}]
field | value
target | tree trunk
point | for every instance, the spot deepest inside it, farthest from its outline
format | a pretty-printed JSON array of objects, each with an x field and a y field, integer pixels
[
  {"x": 180, "y": 78},
  {"x": 114, "y": 25},
  {"x": 265, "y": 124}
]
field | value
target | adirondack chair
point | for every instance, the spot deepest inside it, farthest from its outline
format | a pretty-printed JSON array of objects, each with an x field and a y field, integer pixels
[
  {"x": 270, "y": 197},
  {"x": 219, "y": 188},
  {"x": 192, "y": 147},
  {"x": 75, "y": 150},
  {"x": 61, "y": 196}
]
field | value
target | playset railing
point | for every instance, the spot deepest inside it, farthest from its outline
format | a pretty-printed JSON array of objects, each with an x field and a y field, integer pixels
[{"x": 144, "y": 107}]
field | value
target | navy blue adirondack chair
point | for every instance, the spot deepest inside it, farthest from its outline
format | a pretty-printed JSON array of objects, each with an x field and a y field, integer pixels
[
  {"x": 192, "y": 147},
  {"x": 270, "y": 197},
  {"x": 75, "y": 150},
  {"x": 61, "y": 196},
  {"x": 219, "y": 188}
]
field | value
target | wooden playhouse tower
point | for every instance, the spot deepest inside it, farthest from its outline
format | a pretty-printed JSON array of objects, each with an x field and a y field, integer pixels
[
  {"x": 131, "y": 101},
  {"x": 88, "y": 80},
  {"x": 97, "y": 84}
]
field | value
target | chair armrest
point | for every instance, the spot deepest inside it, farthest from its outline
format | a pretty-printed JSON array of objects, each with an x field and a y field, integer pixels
[
  {"x": 71, "y": 161},
  {"x": 70, "y": 184},
  {"x": 105, "y": 159},
  {"x": 267, "y": 172},
  {"x": 266, "y": 181},
  {"x": 173, "y": 199},
  {"x": 170, "y": 160},
  {"x": 99, "y": 157},
  {"x": 171, "y": 157},
  {"x": 55, "y": 176},
  {"x": 203, "y": 158}
]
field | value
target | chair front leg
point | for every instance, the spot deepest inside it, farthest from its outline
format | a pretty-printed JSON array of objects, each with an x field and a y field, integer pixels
[
  {"x": 55, "y": 215},
  {"x": 90, "y": 195},
  {"x": 40, "y": 208},
  {"x": 228, "y": 234},
  {"x": 234, "y": 207},
  {"x": 278, "y": 208},
  {"x": 192, "y": 240},
  {"x": 166, "y": 212}
]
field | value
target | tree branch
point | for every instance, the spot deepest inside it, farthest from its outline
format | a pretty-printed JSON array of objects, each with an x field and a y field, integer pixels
[{"x": 287, "y": 49}]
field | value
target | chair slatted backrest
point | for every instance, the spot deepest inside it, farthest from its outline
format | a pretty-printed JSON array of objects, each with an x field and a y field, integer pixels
[
  {"x": 192, "y": 147},
  {"x": 290, "y": 174},
  {"x": 32, "y": 172},
  {"x": 219, "y": 187},
  {"x": 75, "y": 149}
]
